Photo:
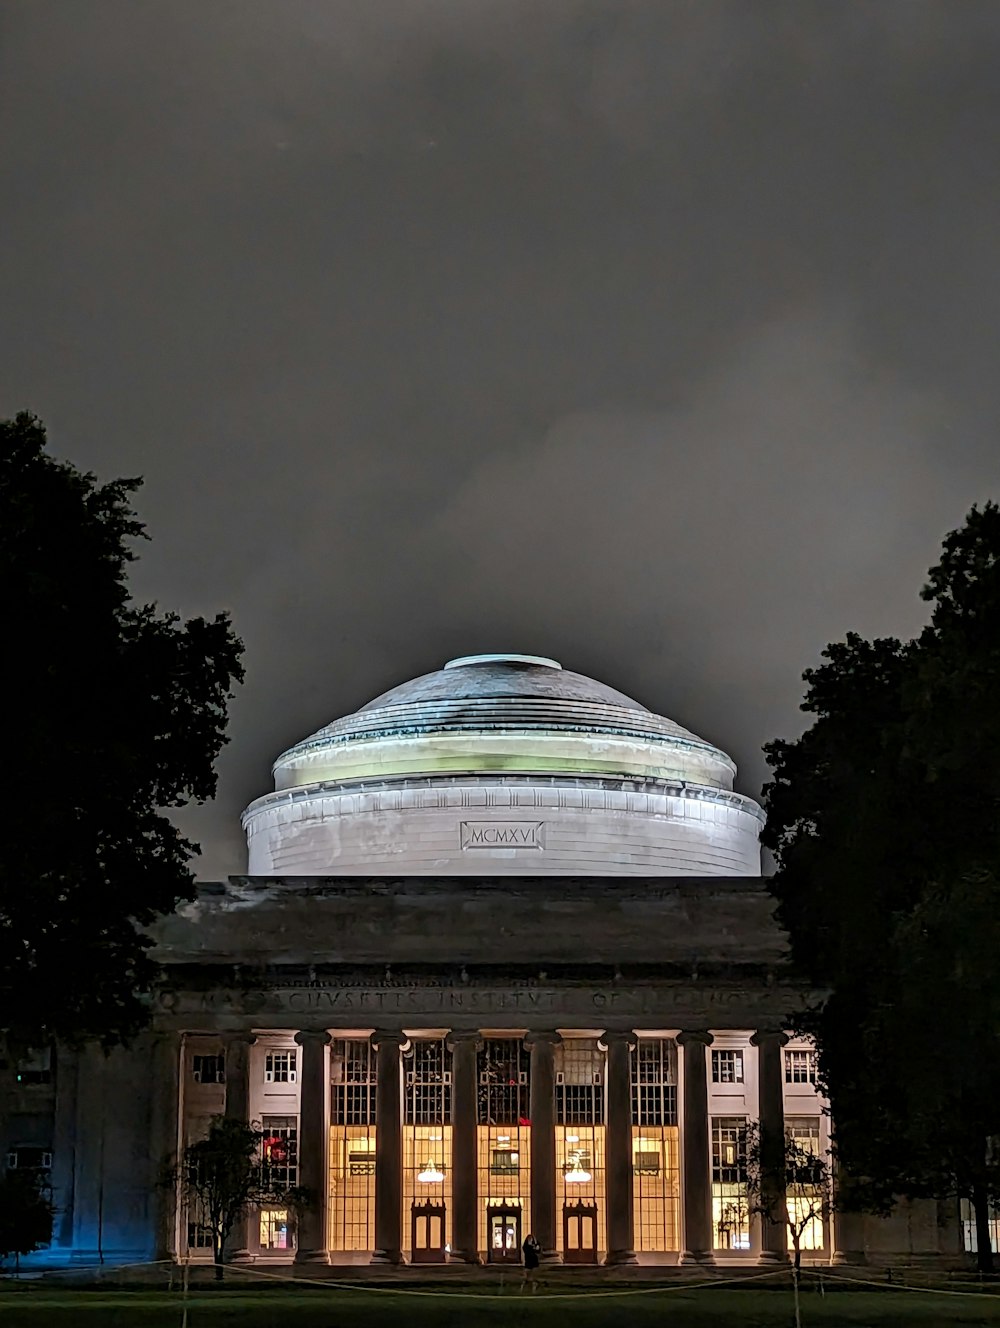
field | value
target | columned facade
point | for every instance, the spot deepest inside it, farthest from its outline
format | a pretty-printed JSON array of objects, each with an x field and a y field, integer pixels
[
  {"x": 455, "y": 1144},
  {"x": 770, "y": 1079}
]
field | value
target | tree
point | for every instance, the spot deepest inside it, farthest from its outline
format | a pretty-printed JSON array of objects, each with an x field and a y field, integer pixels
[
  {"x": 226, "y": 1174},
  {"x": 883, "y": 820},
  {"x": 797, "y": 1193},
  {"x": 26, "y": 1212},
  {"x": 116, "y": 712}
]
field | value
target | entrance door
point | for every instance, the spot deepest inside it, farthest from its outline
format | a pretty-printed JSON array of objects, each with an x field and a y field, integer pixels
[
  {"x": 427, "y": 1233},
  {"x": 580, "y": 1233},
  {"x": 503, "y": 1230}
]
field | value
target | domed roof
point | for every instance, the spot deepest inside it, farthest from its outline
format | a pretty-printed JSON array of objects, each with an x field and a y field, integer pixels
[
  {"x": 494, "y": 677},
  {"x": 502, "y": 712}
]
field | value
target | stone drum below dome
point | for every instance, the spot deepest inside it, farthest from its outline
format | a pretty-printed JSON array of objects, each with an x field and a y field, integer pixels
[{"x": 503, "y": 765}]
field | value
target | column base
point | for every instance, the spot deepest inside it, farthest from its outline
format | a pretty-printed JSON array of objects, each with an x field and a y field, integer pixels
[
  {"x": 697, "y": 1258},
  {"x": 549, "y": 1257},
  {"x": 849, "y": 1258},
  {"x": 392, "y": 1257},
  {"x": 471, "y": 1258},
  {"x": 773, "y": 1258},
  {"x": 240, "y": 1256},
  {"x": 621, "y": 1258},
  {"x": 312, "y": 1256}
]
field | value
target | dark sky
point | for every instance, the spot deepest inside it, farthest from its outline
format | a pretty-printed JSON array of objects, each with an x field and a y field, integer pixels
[{"x": 660, "y": 337}]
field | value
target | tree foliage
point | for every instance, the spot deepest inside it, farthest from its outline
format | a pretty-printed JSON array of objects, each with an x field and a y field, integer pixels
[
  {"x": 225, "y": 1175},
  {"x": 26, "y": 1212},
  {"x": 884, "y": 820},
  {"x": 115, "y": 713}
]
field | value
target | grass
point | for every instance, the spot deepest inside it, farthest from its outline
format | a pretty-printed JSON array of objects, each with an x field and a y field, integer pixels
[{"x": 39, "y": 1306}]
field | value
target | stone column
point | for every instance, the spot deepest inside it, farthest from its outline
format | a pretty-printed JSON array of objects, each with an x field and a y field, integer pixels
[
  {"x": 771, "y": 1109},
  {"x": 314, "y": 1134},
  {"x": 542, "y": 1110},
  {"x": 237, "y": 1047},
  {"x": 848, "y": 1234},
  {"x": 164, "y": 1131},
  {"x": 464, "y": 1146},
  {"x": 695, "y": 1161},
  {"x": 618, "y": 1148},
  {"x": 388, "y": 1148}
]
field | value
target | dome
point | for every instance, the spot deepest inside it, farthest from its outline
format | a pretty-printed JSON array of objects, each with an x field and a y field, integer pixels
[{"x": 501, "y": 731}]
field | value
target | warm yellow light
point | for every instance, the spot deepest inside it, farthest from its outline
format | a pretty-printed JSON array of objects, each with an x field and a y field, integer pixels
[
  {"x": 577, "y": 1175},
  {"x": 430, "y": 1174}
]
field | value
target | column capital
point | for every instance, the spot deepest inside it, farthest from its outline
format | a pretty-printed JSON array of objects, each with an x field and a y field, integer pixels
[
  {"x": 768, "y": 1037},
  {"x": 313, "y": 1035},
  {"x": 693, "y": 1036},
  {"x": 615, "y": 1037},
  {"x": 389, "y": 1037},
  {"x": 542, "y": 1037},
  {"x": 464, "y": 1038}
]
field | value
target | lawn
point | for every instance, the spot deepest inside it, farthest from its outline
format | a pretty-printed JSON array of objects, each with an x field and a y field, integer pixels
[{"x": 40, "y": 1306}]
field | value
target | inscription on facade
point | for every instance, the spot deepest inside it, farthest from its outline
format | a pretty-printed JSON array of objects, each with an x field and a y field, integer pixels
[{"x": 502, "y": 834}]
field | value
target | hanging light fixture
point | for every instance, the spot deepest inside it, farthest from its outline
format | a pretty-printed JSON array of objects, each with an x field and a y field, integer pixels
[
  {"x": 577, "y": 1174},
  {"x": 430, "y": 1175}
]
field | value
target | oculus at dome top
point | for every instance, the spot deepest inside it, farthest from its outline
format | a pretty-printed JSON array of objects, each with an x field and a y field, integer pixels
[{"x": 503, "y": 764}]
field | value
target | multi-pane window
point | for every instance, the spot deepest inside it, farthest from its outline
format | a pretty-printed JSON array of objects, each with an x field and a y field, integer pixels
[
  {"x": 728, "y": 1146},
  {"x": 279, "y": 1150},
  {"x": 428, "y": 1083},
  {"x": 505, "y": 1161},
  {"x": 800, "y": 1067},
  {"x": 279, "y": 1067},
  {"x": 199, "y": 1237},
  {"x": 654, "y": 1082},
  {"x": 208, "y": 1069},
  {"x": 503, "y": 1065},
  {"x": 727, "y": 1067},
  {"x": 579, "y": 1070},
  {"x": 352, "y": 1082}
]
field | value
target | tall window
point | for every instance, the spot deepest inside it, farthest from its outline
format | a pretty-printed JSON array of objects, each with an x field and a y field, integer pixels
[
  {"x": 727, "y": 1067},
  {"x": 805, "y": 1193},
  {"x": 279, "y": 1067},
  {"x": 655, "y": 1145},
  {"x": 503, "y": 1136},
  {"x": 730, "y": 1209},
  {"x": 352, "y": 1144},
  {"x": 428, "y": 1083},
  {"x": 279, "y": 1150},
  {"x": 800, "y": 1067}
]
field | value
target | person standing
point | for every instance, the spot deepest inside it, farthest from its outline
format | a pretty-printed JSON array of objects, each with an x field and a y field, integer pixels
[{"x": 531, "y": 1250}]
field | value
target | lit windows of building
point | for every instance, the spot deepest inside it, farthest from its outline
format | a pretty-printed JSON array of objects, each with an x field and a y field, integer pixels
[
  {"x": 427, "y": 1160},
  {"x": 800, "y": 1067},
  {"x": 279, "y": 1067},
  {"x": 730, "y": 1206},
  {"x": 727, "y": 1067},
  {"x": 352, "y": 1145},
  {"x": 503, "y": 1067},
  {"x": 806, "y": 1197},
  {"x": 655, "y": 1145},
  {"x": 580, "y": 1189}
]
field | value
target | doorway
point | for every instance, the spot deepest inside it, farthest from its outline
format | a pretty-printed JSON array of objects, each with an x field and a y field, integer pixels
[
  {"x": 503, "y": 1232},
  {"x": 580, "y": 1233}
]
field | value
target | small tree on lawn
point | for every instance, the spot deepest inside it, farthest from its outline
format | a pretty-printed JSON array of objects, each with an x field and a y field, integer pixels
[
  {"x": 26, "y": 1212},
  {"x": 222, "y": 1177},
  {"x": 801, "y": 1183}
]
